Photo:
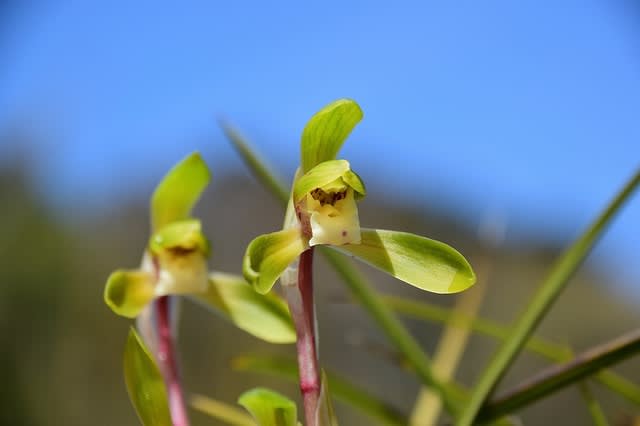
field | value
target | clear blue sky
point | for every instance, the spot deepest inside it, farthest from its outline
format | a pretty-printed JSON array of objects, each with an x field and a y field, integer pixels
[{"x": 528, "y": 107}]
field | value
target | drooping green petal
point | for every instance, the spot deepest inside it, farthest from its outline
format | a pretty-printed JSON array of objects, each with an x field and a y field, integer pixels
[
  {"x": 333, "y": 175},
  {"x": 181, "y": 236},
  {"x": 326, "y": 131},
  {"x": 264, "y": 316},
  {"x": 144, "y": 384},
  {"x": 269, "y": 408},
  {"x": 128, "y": 292},
  {"x": 269, "y": 255},
  {"x": 179, "y": 190},
  {"x": 424, "y": 263}
]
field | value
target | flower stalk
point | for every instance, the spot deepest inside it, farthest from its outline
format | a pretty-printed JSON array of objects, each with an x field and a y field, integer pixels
[
  {"x": 299, "y": 295},
  {"x": 168, "y": 363}
]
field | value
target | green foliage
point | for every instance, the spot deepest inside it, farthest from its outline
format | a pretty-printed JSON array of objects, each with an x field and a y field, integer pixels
[
  {"x": 269, "y": 408},
  {"x": 144, "y": 383}
]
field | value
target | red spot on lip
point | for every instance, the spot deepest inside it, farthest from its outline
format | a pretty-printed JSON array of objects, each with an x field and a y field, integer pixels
[{"x": 344, "y": 233}]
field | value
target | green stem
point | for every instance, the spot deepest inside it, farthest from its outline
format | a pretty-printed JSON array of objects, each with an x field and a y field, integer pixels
[{"x": 542, "y": 301}]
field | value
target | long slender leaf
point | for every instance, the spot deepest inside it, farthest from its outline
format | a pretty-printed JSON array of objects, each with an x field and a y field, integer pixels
[
  {"x": 542, "y": 301},
  {"x": 594, "y": 407},
  {"x": 560, "y": 376},
  {"x": 395, "y": 331},
  {"x": 340, "y": 388},
  {"x": 228, "y": 413},
  {"x": 426, "y": 311}
]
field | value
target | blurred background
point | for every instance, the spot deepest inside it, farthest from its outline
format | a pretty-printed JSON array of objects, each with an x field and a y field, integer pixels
[{"x": 523, "y": 112}]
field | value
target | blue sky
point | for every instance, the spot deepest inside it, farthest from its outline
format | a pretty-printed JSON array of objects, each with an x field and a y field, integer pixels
[{"x": 530, "y": 108}]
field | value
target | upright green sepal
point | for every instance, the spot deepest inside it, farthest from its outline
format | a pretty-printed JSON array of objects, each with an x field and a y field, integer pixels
[
  {"x": 269, "y": 408},
  {"x": 422, "y": 262},
  {"x": 128, "y": 292},
  {"x": 263, "y": 316},
  {"x": 144, "y": 383},
  {"x": 178, "y": 192},
  {"x": 269, "y": 255},
  {"x": 326, "y": 131}
]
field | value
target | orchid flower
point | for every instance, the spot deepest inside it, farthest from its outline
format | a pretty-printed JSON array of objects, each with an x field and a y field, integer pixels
[
  {"x": 174, "y": 263},
  {"x": 322, "y": 210}
]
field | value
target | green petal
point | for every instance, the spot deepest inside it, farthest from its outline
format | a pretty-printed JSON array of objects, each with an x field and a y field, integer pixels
[
  {"x": 333, "y": 175},
  {"x": 269, "y": 408},
  {"x": 144, "y": 384},
  {"x": 427, "y": 264},
  {"x": 128, "y": 292},
  {"x": 269, "y": 255},
  {"x": 326, "y": 131},
  {"x": 179, "y": 190},
  {"x": 183, "y": 236},
  {"x": 264, "y": 316}
]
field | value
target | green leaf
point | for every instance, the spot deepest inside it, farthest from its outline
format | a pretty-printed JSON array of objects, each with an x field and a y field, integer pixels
[
  {"x": 326, "y": 131},
  {"x": 424, "y": 263},
  {"x": 557, "y": 377},
  {"x": 128, "y": 292},
  {"x": 269, "y": 255},
  {"x": 180, "y": 237},
  {"x": 325, "y": 414},
  {"x": 144, "y": 384},
  {"x": 227, "y": 413},
  {"x": 179, "y": 190},
  {"x": 257, "y": 164},
  {"x": 344, "y": 391},
  {"x": 543, "y": 299},
  {"x": 333, "y": 175},
  {"x": 264, "y": 316},
  {"x": 269, "y": 408}
]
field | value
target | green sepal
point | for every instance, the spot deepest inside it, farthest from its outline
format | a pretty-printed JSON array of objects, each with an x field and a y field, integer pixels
[
  {"x": 330, "y": 176},
  {"x": 263, "y": 316},
  {"x": 269, "y": 408},
  {"x": 145, "y": 386},
  {"x": 424, "y": 263},
  {"x": 183, "y": 236},
  {"x": 179, "y": 190},
  {"x": 326, "y": 131},
  {"x": 128, "y": 291},
  {"x": 268, "y": 255}
]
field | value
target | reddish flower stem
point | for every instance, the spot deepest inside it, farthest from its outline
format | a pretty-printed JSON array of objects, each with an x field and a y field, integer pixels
[
  {"x": 302, "y": 310},
  {"x": 167, "y": 361}
]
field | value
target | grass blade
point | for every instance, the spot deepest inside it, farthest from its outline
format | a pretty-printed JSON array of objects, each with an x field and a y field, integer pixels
[
  {"x": 559, "y": 376},
  {"x": 542, "y": 301},
  {"x": 595, "y": 409},
  {"x": 343, "y": 390}
]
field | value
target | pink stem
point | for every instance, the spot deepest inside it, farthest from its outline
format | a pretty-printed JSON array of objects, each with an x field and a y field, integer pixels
[
  {"x": 302, "y": 310},
  {"x": 168, "y": 364}
]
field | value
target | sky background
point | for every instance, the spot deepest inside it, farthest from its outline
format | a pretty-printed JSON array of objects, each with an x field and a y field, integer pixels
[{"x": 529, "y": 109}]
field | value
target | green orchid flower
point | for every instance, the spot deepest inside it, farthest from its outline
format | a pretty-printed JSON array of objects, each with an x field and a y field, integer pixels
[
  {"x": 323, "y": 211},
  {"x": 175, "y": 263}
]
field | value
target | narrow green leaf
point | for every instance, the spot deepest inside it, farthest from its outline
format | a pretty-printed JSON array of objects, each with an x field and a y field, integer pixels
[
  {"x": 333, "y": 175},
  {"x": 424, "y": 263},
  {"x": 594, "y": 407},
  {"x": 128, "y": 292},
  {"x": 326, "y": 131},
  {"x": 542, "y": 301},
  {"x": 229, "y": 414},
  {"x": 144, "y": 384},
  {"x": 325, "y": 414},
  {"x": 179, "y": 190},
  {"x": 256, "y": 163},
  {"x": 342, "y": 390},
  {"x": 180, "y": 237},
  {"x": 264, "y": 316},
  {"x": 559, "y": 376},
  {"x": 425, "y": 311},
  {"x": 269, "y": 408},
  {"x": 268, "y": 256}
]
